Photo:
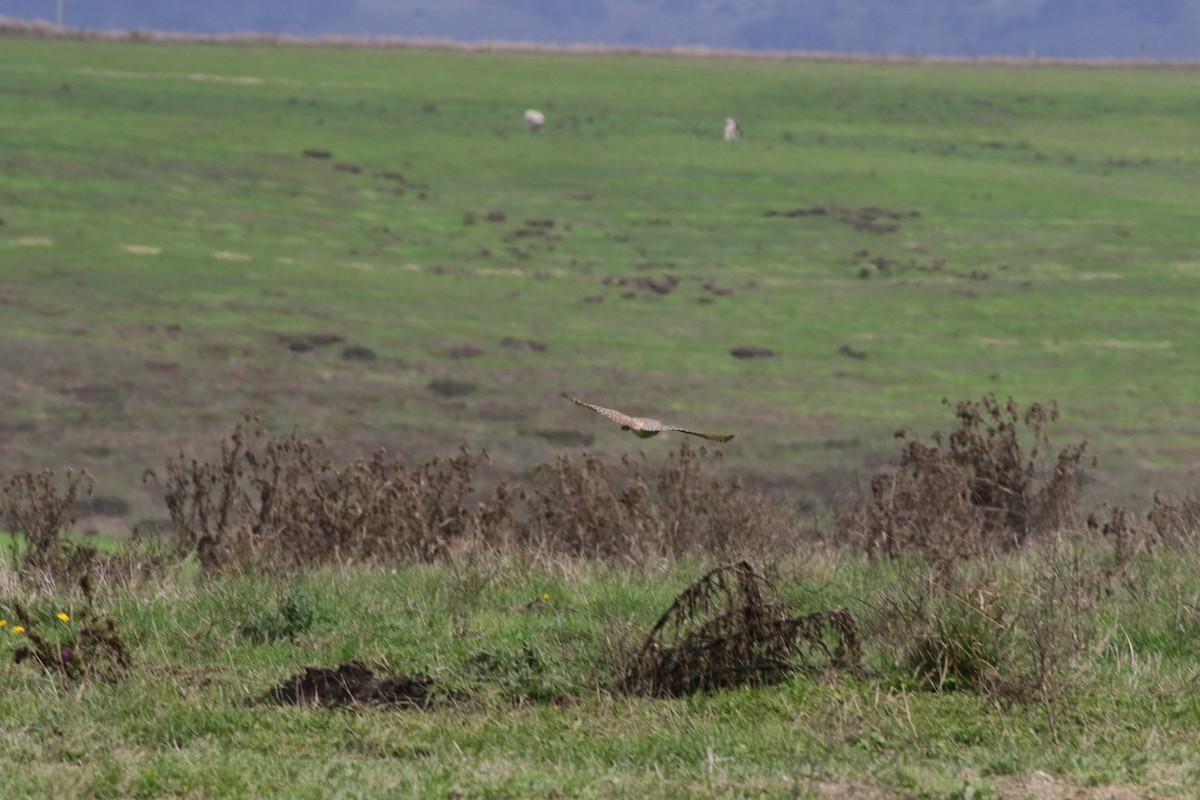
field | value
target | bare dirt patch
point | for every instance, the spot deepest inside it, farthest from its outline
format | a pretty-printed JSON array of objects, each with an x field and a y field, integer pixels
[
  {"x": 752, "y": 351},
  {"x": 353, "y": 683}
]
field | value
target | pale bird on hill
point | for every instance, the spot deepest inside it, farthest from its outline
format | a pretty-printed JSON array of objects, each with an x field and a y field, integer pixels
[
  {"x": 644, "y": 427},
  {"x": 732, "y": 131},
  {"x": 534, "y": 119}
]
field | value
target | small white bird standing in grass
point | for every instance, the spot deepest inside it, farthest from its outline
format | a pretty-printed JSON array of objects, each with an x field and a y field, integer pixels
[
  {"x": 732, "y": 131},
  {"x": 536, "y": 120},
  {"x": 644, "y": 427}
]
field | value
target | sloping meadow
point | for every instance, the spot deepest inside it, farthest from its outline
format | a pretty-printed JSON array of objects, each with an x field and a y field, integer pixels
[{"x": 967, "y": 602}]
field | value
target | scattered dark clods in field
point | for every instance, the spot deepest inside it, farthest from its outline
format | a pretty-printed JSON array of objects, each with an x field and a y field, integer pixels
[
  {"x": 449, "y": 387},
  {"x": 496, "y": 216},
  {"x": 720, "y": 291},
  {"x": 752, "y": 351},
  {"x": 537, "y": 228},
  {"x": 873, "y": 219},
  {"x": 886, "y": 267},
  {"x": 665, "y": 285},
  {"x": 353, "y": 683},
  {"x": 523, "y": 345},
  {"x": 358, "y": 352},
  {"x": 730, "y": 629},
  {"x": 405, "y": 183},
  {"x": 850, "y": 352},
  {"x": 315, "y": 153},
  {"x": 302, "y": 343},
  {"x": 659, "y": 286},
  {"x": 353, "y": 169}
]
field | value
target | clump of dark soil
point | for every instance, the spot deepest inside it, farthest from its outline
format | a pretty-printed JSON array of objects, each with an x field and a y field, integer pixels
[
  {"x": 358, "y": 352},
  {"x": 752, "y": 351},
  {"x": 304, "y": 342},
  {"x": 449, "y": 387},
  {"x": 353, "y": 683}
]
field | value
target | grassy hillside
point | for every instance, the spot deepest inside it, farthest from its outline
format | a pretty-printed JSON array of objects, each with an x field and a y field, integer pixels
[
  {"x": 368, "y": 245},
  {"x": 967, "y": 228}
]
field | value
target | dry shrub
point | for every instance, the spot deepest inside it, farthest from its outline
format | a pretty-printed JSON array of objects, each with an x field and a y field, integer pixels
[
  {"x": 729, "y": 629},
  {"x": 36, "y": 508},
  {"x": 582, "y": 509},
  {"x": 280, "y": 502},
  {"x": 1175, "y": 520},
  {"x": 977, "y": 491}
]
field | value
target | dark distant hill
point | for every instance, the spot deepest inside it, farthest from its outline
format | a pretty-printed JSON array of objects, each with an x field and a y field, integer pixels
[{"x": 1153, "y": 29}]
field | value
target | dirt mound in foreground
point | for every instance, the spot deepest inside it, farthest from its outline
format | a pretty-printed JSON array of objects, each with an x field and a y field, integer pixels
[{"x": 354, "y": 683}]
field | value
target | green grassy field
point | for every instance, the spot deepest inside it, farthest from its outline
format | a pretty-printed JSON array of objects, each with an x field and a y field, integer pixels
[
  {"x": 165, "y": 240},
  {"x": 534, "y": 649},
  {"x": 895, "y": 233}
]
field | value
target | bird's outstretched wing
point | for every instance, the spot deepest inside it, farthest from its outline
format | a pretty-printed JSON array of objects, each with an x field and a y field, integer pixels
[
  {"x": 712, "y": 437},
  {"x": 613, "y": 414}
]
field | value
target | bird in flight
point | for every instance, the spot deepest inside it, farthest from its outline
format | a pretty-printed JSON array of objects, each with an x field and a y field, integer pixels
[{"x": 644, "y": 427}]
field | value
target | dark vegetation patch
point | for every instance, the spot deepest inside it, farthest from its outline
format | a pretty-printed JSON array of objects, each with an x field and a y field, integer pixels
[
  {"x": 886, "y": 266},
  {"x": 982, "y": 489},
  {"x": 353, "y": 683},
  {"x": 641, "y": 285},
  {"x": 452, "y": 387},
  {"x": 402, "y": 184},
  {"x": 713, "y": 288},
  {"x": 304, "y": 342},
  {"x": 352, "y": 169},
  {"x": 281, "y": 503},
  {"x": 317, "y": 153},
  {"x": 358, "y": 352},
  {"x": 872, "y": 219},
  {"x": 751, "y": 351},
  {"x": 850, "y": 352},
  {"x": 729, "y": 629}
]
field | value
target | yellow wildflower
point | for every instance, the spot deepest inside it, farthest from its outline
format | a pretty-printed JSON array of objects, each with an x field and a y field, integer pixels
[
  {"x": 3, "y": 622},
  {"x": 18, "y": 628},
  {"x": 63, "y": 616},
  {"x": 545, "y": 597}
]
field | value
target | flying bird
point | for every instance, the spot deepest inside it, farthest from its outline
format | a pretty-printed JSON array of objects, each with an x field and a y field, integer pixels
[{"x": 644, "y": 427}]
